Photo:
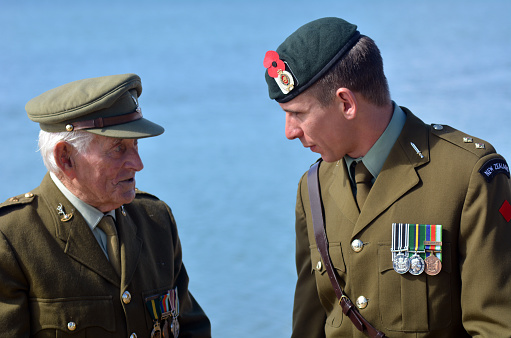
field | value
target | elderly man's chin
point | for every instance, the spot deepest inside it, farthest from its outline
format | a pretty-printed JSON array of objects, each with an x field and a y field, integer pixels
[{"x": 127, "y": 193}]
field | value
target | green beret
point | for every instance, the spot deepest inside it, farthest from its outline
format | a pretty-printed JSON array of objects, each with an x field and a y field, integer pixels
[
  {"x": 105, "y": 106},
  {"x": 306, "y": 55}
]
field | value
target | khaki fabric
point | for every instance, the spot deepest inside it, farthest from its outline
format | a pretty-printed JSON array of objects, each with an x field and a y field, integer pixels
[
  {"x": 54, "y": 272},
  {"x": 471, "y": 296}
]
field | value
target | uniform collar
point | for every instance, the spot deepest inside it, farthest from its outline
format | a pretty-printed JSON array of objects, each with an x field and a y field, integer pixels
[
  {"x": 376, "y": 156},
  {"x": 91, "y": 215}
]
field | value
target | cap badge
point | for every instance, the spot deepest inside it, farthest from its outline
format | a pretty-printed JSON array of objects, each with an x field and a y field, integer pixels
[
  {"x": 138, "y": 110},
  {"x": 277, "y": 70}
]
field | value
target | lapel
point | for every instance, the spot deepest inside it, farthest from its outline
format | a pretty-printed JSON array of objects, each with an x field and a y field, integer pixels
[
  {"x": 341, "y": 192},
  {"x": 130, "y": 245},
  {"x": 81, "y": 245},
  {"x": 397, "y": 177}
]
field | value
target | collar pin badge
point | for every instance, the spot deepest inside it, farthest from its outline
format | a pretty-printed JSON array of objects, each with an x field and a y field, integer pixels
[
  {"x": 65, "y": 217},
  {"x": 277, "y": 70},
  {"x": 416, "y": 150}
]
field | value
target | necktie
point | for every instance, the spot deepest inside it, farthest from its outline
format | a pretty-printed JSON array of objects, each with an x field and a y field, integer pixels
[
  {"x": 107, "y": 224},
  {"x": 363, "y": 181}
]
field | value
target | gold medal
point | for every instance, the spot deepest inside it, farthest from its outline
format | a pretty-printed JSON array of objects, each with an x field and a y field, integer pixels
[{"x": 156, "y": 332}]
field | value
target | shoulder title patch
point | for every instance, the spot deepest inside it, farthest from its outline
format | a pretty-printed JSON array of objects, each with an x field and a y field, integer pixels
[{"x": 493, "y": 167}]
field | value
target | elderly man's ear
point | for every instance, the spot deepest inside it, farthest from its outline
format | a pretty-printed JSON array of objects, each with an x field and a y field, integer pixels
[{"x": 63, "y": 153}]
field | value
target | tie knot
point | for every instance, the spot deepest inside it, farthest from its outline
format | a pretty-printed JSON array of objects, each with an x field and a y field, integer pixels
[
  {"x": 107, "y": 224},
  {"x": 362, "y": 175}
]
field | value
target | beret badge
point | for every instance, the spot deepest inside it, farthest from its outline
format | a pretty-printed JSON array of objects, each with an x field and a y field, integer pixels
[{"x": 277, "y": 70}]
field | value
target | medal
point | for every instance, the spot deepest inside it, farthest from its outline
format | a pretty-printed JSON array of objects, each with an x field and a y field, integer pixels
[
  {"x": 170, "y": 307},
  {"x": 433, "y": 247},
  {"x": 152, "y": 304},
  {"x": 433, "y": 265},
  {"x": 416, "y": 264},
  {"x": 417, "y": 236},
  {"x": 174, "y": 327},
  {"x": 156, "y": 332},
  {"x": 400, "y": 259},
  {"x": 401, "y": 263}
]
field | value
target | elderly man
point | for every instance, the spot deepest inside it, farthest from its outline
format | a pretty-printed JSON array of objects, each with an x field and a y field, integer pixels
[
  {"x": 405, "y": 228},
  {"x": 86, "y": 253}
]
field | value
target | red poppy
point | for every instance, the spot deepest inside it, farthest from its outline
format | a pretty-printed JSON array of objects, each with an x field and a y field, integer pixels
[{"x": 273, "y": 62}]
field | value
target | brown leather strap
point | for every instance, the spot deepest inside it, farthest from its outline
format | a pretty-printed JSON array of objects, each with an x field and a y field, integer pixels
[
  {"x": 322, "y": 242},
  {"x": 102, "y": 122}
]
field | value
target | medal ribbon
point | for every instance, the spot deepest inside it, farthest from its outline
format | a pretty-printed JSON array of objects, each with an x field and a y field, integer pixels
[
  {"x": 169, "y": 303},
  {"x": 153, "y": 305},
  {"x": 394, "y": 248},
  {"x": 162, "y": 306},
  {"x": 174, "y": 302},
  {"x": 417, "y": 236},
  {"x": 434, "y": 234}
]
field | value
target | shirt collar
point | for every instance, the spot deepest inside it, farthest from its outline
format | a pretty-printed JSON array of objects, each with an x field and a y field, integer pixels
[
  {"x": 91, "y": 215},
  {"x": 376, "y": 156}
]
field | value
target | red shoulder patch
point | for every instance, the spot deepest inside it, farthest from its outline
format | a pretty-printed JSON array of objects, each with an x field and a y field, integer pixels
[{"x": 505, "y": 210}]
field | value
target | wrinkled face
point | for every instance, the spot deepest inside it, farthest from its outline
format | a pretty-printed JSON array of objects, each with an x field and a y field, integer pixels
[
  {"x": 322, "y": 129},
  {"x": 105, "y": 172}
]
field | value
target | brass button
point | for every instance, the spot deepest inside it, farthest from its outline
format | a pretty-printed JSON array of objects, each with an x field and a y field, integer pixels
[
  {"x": 361, "y": 302},
  {"x": 29, "y": 194},
  {"x": 133, "y": 335},
  {"x": 71, "y": 326},
  {"x": 357, "y": 245},
  {"x": 126, "y": 297},
  {"x": 438, "y": 127},
  {"x": 319, "y": 265},
  {"x": 69, "y": 127}
]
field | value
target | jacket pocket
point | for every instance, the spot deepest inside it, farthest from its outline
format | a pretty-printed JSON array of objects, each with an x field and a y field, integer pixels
[
  {"x": 325, "y": 291},
  {"x": 72, "y": 316},
  {"x": 413, "y": 303}
]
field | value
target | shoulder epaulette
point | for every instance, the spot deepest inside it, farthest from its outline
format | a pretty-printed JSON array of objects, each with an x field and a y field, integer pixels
[
  {"x": 19, "y": 200},
  {"x": 472, "y": 144},
  {"x": 143, "y": 193}
]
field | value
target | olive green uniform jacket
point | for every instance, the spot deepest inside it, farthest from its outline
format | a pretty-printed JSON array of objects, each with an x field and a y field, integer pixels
[
  {"x": 53, "y": 272},
  {"x": 471, "y": 296}
]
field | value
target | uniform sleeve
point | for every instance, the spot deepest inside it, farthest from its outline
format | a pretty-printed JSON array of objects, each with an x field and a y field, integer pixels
[
  {"x": 308, "y": 315},
  {"x": 14, "y": 319},
  {"x": 193, "y": 321},
  {"x": 485, "y": 251}
]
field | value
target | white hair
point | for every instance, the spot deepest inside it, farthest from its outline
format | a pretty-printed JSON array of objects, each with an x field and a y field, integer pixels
[{"x": 79, "y": 140}]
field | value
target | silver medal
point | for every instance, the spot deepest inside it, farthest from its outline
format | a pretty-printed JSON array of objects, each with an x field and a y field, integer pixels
[
  {"x": 174, "y": 327},
  {"x": 416, "y": 264},
  {"x": 401, "y": 263}
]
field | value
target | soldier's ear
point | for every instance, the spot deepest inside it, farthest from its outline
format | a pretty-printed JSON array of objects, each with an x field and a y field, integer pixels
[
  {"x": 62, "y": 153},
  {"x": 347, "y": 102}
]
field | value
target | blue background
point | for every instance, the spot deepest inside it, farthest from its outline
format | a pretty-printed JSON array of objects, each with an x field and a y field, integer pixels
[{"x": 223, "y": 164}]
